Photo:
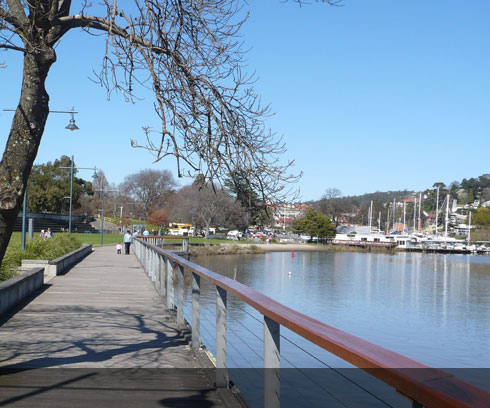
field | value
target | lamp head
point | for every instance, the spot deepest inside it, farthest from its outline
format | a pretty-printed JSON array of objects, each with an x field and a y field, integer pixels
[{"x": 71, "y": 125}]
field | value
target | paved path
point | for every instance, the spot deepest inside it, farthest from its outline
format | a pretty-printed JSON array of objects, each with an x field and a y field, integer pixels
[{"x": 105, "y": 319}]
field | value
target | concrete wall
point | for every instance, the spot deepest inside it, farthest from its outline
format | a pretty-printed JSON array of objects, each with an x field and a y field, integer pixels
[
  {"x": 59, "y": 265},
  {"x": 14, "y": 290}
]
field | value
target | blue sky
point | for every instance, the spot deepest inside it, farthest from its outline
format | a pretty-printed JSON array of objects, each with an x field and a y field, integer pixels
[{"x": 374, "y": 95}]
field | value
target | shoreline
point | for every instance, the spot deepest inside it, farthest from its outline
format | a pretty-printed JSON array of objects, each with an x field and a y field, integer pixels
[{"x": 234, "y": 248}]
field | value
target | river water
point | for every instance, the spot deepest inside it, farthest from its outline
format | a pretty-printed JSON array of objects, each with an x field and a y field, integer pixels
[{"x": 432, "y": 308}]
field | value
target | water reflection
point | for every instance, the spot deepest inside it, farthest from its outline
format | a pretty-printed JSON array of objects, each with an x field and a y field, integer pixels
[{"x": 433, "y": 308}]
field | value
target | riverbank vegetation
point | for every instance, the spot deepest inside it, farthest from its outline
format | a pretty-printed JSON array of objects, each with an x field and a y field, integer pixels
[{"x": 225, "y": 249}]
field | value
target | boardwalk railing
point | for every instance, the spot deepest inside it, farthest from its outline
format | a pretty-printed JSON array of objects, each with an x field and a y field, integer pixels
[
  {"x": 164, "y": 241},
  {"x": 425, "y": 386}
]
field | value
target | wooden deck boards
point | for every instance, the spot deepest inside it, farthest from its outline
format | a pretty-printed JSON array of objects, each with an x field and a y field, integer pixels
[{"x": 96, "y": 336}]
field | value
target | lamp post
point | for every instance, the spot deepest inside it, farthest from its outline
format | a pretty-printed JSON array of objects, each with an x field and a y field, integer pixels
[
  {"x": 103, "y": 190},
  {"x": 72, "y": 168},
  {"x": 24, "y": 221},
  {"x": 71, "y": 126}
]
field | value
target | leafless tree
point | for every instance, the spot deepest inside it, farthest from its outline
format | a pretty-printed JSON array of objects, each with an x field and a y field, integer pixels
[
  {"x": 206, "y": 206},
  {"x": 150, "y": 188},
  {"x": 332, "y": 204},
  {"x": 187, "y": 52}
]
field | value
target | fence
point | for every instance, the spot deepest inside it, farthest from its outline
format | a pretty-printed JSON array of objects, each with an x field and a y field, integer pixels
[{"x": 423, "y": 385}]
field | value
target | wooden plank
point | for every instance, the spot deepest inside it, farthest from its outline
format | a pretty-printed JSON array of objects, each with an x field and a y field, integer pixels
[{"x": 99, "y": 336}]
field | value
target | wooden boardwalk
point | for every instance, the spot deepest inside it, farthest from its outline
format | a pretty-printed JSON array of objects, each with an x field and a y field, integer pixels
[{"x": 100, "y": 336}]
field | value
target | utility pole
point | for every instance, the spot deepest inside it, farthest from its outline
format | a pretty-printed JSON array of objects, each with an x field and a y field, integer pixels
[{"x": 71, "y": 191}]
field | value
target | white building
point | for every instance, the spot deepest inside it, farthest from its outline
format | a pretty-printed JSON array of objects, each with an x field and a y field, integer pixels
[{"x": 285, "y": 214}]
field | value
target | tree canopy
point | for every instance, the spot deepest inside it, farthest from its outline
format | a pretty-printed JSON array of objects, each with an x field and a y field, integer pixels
[
  {"x": 49, "y": 187},
  {"x": 150, "y": 188},
  {"x": 481, "y": 217},
  {"x": 315, "y": 224}
]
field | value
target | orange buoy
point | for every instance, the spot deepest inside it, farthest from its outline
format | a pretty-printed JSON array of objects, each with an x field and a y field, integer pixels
[{"x": 292, "y": 254}]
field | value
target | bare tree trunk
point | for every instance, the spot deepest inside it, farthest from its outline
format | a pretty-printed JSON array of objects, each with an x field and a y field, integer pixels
[{"x": 24, "y": 138}]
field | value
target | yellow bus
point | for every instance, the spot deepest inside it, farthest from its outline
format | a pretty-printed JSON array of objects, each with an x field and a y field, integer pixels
[{"x": 176, "y": 228}]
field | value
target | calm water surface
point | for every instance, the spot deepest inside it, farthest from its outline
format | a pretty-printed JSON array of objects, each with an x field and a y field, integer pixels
[{"x": 432, "y": 308}]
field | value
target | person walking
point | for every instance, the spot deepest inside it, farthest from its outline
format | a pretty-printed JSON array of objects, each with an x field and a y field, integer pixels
[{"x": 127, "y": 242}]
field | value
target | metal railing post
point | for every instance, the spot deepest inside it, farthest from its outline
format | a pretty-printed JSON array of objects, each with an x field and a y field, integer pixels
[
  {"x": 180, "y": 297},
  {"x": 164, "y": 276},
  {"x": 150, "y": 253},
  {"x": 153, "y": 266},
  {"x": 170, "y": 285},
  {"x": 159, "y": 274},
  {"x": 221, "y": 370},
  {"x": 196, "y": 311},
  {"x": 272, "y": 364}
]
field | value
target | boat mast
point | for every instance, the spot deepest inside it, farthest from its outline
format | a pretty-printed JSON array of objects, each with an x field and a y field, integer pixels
[
  {"x": 394, "y": 213},
  {"x": 469, "y": 228},
  {"x": 420, "y": 206},
  {"x": 387, "y": 226},
  {"x": 437, "y": 207},
  {"x": 415, "y": 214},
  {"x": 379, "y": 221},
  {"x": 447, "y": 216},
  {"x": 404, "y": 208},
  {"x": 370, "y": 216}
]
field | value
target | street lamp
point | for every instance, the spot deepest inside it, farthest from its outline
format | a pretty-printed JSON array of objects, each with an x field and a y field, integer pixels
[
  {"x": 71, "y": 126},
  {"x": 103, "y": 190},
  {"x": 72, "y": 168}
]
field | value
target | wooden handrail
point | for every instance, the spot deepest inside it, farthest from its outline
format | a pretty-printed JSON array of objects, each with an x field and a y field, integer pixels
[
  {"x": 162, "y": 236},
  {"x": 429, "y": 386}
]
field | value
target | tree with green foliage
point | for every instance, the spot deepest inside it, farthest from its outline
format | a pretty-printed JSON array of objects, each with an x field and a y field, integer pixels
[
  {"x": 481, "y": 217},
  {"x": 315, "y": 224},
  {"x": 239, "y": 186},
  {"x": 49, "y": 187}
]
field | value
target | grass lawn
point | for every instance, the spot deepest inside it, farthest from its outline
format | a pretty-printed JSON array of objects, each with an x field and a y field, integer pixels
[
  {"x": 113, "y": 239},
  {"x": 94, "y": 239}
]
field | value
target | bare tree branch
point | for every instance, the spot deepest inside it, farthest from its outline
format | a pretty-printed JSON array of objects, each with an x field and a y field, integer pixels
[
  {"x": 12, "y": 47},
  {"x": 9, "y": 18},
  {"x": 188, "y": 52},
  {"x": 17, "y": 12}
]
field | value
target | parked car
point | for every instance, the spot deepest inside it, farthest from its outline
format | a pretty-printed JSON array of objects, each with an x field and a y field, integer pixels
[
  {"x": 234, "y": 235},
  {"x": 304, "y": 237}
]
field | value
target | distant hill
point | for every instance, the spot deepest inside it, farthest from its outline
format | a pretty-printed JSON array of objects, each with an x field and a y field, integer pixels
[{"x": 355, "y": 208}]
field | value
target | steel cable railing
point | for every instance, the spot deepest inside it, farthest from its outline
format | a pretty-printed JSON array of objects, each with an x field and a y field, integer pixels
[{"x": 423, "y": 385}]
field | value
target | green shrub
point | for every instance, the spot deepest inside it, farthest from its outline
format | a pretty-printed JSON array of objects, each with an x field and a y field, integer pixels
[{"x": 38, "y": 248}]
